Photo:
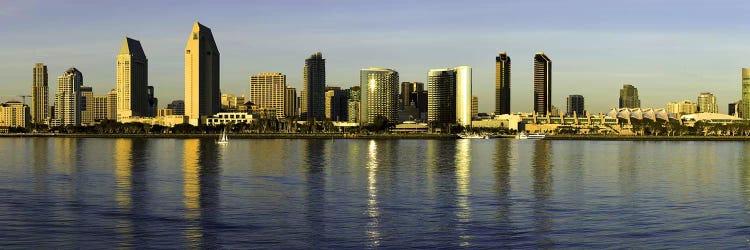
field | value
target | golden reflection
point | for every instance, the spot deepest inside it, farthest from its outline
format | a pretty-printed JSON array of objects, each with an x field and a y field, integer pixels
[
  {"x": 123, "y": 187},
  {"x": 40, "y": 163},
  {"x": 502, "y": 157},
  {"x": 191, "y": 190},
  {"x": 373, "y": 232},
  {"x": 542, "y": 191},
  {"x": 744, "y": 175},
  {"x": 463, "y": 162},
  {"x": 65, "y": 154}
]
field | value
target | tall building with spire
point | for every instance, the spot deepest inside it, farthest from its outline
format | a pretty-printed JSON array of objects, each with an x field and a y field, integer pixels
[
  {"x": 40, "y": 95},
  {"x": 629, "y": 97},
  {"x": 132, "y": 80},
  {"x": 314, "y": 87},
  {"x": 68, "y": 98},
  {"x": 202, "y": 94},
  {"x": 542, "y": 84},
  {"x": 502, "y": 84}
]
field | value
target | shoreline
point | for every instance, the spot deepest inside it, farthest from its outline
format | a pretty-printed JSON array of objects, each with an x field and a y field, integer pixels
[{"x": 644, "y": 138}]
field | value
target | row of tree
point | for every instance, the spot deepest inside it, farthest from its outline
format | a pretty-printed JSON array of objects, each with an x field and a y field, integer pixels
[{"x": 666, "y": 128}]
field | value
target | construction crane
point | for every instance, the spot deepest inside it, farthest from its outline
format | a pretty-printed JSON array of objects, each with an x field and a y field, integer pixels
[{"x": 24, "y": 98}]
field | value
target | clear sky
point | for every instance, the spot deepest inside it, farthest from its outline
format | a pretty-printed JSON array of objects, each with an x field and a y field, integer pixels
[{"x": 670, "y": 50}]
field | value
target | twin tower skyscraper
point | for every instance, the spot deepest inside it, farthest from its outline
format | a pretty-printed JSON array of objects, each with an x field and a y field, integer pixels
[{"x": 542, "y": 84}]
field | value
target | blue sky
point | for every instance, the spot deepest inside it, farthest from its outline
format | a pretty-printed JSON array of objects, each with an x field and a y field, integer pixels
[{"x": 670, "y": 50}]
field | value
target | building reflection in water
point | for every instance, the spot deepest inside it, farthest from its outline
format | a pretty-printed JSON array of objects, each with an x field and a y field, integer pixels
[
  {"x": 40, "y": 163},
  {"x": 542, "y": 191},
  {"x": 744, "y": 174},
  {"x": 502, "y": 157},
  {"x": 123, "y": 189},
  {"x": 373, "y": 212},
  {"x": 200, "y": 169},
  {"x": 463, "y": 173},
  {"x": 315, "y": 153}
]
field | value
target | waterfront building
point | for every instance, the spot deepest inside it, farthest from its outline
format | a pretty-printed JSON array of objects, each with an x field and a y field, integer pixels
[
  {"x": 112, "y": 105},
  {"x": 14, "y": 114},
  {"x": 575, "y": 105},
  {"x": 629, "y": 97},
  {"x": 40, "y": 94},
  {"x": 99, "y": 107},
  {"x": 474, "y": 107},
  {"x": 353, "y": 104},
  {"x": 225, "y": 118},
  {"x": 313, "y": 87},
  {"x": 290, "y": 101},
  {"x": 267, "y": 91},
  {"x": 707, "y": 103},
  {"x": 202, "y": 95},
  {"x": 441, "y": 100},
  {"x": 685, "y": 107},
  {"x": 745, "y": 114},
  {"x": 449, "y": 96},
  {"x": 68, "y": 98},
  {"x": 406, "y": 89},
  {"x": 735, "y": 108},
  {"x": 87, "y": 105},
  {"x": 502, "y": 84},
  {"x": 337, "y": 101},
  {"x": 132, "y": 80},
  {"x": 379, "y": 95},
  {"x": 542, "y": 83},
  {"x": 178, "y": 107},
  {"x": 153, "y": 102}
]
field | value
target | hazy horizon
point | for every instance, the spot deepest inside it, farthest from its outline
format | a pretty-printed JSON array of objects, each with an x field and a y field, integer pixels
[{"x": 669, "y": 50}]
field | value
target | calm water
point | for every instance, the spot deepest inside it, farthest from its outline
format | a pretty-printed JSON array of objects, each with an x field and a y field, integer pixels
[{"x": 175, "y": 193}]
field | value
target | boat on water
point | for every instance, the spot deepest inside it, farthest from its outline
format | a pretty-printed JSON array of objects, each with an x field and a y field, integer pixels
[
  {"x": 524, "y": 136},
  {"x": 224, "y": 139},
  {"x": 473, "y": 136}
]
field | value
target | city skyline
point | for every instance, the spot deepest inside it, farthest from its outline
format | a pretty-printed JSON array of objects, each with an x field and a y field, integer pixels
[{"x": 593, "y": 61}]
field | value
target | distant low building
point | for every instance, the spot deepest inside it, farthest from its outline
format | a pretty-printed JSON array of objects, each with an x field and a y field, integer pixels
[
  {"x": 224, "y": 118},
  {"x": 14, "y": 114}
]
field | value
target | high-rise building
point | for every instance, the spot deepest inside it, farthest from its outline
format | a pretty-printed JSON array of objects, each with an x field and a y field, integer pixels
[
  {"x": 14, "y": 114},
  {"x": 575, "y": 104},
  {"x": 177, "y": 107},
  {"x": 502, "y": 84},
  {"x": 441, "y": 96},
  {"x": 201, "y": 75},
  {"x": 314, "y": 87},
  {"x": 337, "y": 103},
  {"x": 629, "y": 97},
  {"x": 99, "y": 108},
  {"x": 735, "y": 108},
  {"x": 542, "y": 84},
  {"x": 132, "y": 80},
  {"x": 745, "y": 114},
  {"x": 68, "y": 98},
  {"x": 406, "y": 89},
  {"x": 463, "y": 95},
  {"x": 707, "y": 103},
  {"x": 379, "y": 95},
  {"x": 153, "y": 102},
  {"x": 685, "y": 107},
  {"x": 353, "y": 104},
  {"x": 112, "y": 105},
  {"x": 40, "y": 95},
  {"x": 474, "y": 107},
  {"x": 290, "y": 101},
  {"x": 449, "y": 96},
  {"x": 87, "y": 105},
  {"x": 267, "y": 91}
]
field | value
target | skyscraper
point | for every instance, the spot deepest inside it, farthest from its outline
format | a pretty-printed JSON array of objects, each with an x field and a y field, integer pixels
[
  {"x": 337, "y": 101},
  {"x": 575, "y": 104},
  {"x": 474, "y": 106},
  {"x": 40, "y": 95},
  {"x": 132, "y": 80},
  {"x": 463, "y": 95},
  {"x": 202, "y": 95},
  {"x": 745, "y": 111},
  {"x": 112, "y": 105},
  {"x": 68, "y": 98},
  {"x": 177, "y": 107},
  {"x": 406, "y": 89},
  {"x": 441, "y": 96},
  {"x": 353, "y": 106},
  {"x": 542, "y": 84},
  {"x": 629, "y": 97},
  {"x": 314, "y": 87},
  {"x": 379, "y": 95},
  {"x": 290, "y": 101},
  {"x": 707, "y": 103},
  {"x": 502, "y": 84},
  {"x": 267, "y": 91},
  {"x": 449, "y": 96}
]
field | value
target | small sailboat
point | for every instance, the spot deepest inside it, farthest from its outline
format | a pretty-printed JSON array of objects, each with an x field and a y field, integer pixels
[{"x": 224, "y": 139}]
